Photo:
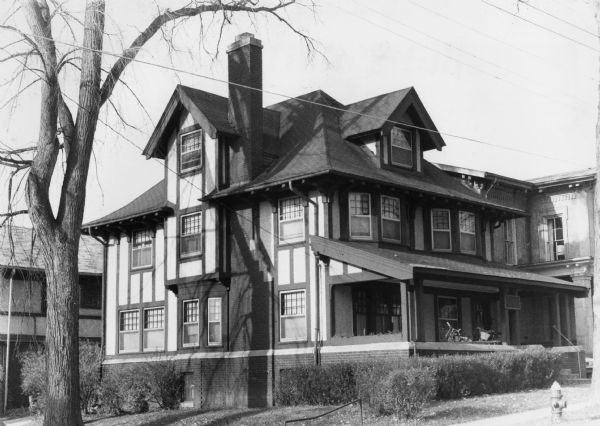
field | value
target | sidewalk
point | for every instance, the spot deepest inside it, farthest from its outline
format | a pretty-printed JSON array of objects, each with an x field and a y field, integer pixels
[
  {"x": 21, "y": 421},
  {"x": 542, "y": 416}
]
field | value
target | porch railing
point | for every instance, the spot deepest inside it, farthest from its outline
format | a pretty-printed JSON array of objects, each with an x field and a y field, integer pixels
[{"x": 305, "y": 419}]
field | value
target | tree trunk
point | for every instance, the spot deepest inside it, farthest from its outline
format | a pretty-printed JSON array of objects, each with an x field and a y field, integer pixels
[
  {"x": 62, "y": 333},
  {"x": 596, "y": 236}
]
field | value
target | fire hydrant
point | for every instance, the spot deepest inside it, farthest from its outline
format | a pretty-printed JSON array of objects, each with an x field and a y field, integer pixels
[{"x": 557, "y": 402}]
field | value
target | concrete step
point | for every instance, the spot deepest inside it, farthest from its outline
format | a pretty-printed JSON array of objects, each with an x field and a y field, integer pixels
[{"x": 574, "y": 381}]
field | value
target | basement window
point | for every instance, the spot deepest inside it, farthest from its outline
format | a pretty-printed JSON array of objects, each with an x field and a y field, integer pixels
[{"x": 190, "y": 151}]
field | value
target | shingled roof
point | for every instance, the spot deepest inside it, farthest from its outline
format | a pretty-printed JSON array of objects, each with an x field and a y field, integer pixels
[
  {"x": 24, "y": 251},
  {"x": 313, "y": 145},
  {"x": 154, "y": 200}
]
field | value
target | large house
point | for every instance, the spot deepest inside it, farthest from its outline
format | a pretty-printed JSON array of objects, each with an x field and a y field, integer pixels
[
  {"x": 23, "y": 301},
  {"x": 311, "y": 231}
]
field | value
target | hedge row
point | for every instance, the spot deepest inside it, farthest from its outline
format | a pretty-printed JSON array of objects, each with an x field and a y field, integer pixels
[{"x": 403, "y": 386}]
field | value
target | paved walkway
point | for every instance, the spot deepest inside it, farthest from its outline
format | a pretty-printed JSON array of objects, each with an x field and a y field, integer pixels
[
  {"x": 21, "y": 421},
  {"x": 527, "y": 417}
]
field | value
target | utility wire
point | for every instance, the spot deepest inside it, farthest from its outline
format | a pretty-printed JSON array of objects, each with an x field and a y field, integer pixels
[
  {"x": 485, "y": 35},
  {"x": 307, "y": 101},
  {"x": 559, "y": 34},
  {"x": 466, "y": 52},
  {"x": 558, "y": 18}
]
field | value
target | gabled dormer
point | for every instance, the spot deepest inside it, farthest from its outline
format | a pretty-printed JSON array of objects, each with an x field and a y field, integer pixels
[{"x": 391, "y": 129}]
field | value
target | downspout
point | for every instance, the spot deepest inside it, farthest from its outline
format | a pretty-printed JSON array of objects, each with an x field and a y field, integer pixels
[
  {"x": 317, "y": 274},
  {"x": 10, "y": 286}
]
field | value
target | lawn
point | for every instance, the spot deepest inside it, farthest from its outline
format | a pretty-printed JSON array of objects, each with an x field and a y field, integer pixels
[{"x": 437, "y": 413}]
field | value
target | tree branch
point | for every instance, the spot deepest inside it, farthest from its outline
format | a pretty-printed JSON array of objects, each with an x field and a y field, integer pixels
[{"x": 131, "y": 52}]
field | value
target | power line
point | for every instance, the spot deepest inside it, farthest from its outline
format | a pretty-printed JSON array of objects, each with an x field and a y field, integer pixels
[
  {"x": 466, "y": 52},
  {"x": 485, "y": 35},
  {"x": 307, "y": 101},
  {"x": 515, "y": 15},
  {"x": 558, "y": 18}
]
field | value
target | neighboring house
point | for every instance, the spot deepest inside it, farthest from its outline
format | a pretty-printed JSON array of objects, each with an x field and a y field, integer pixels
[
  {"x": 21, "y": 264},
  {"x": 307, "y": 231},
  {"x": 555, "y": 239}
]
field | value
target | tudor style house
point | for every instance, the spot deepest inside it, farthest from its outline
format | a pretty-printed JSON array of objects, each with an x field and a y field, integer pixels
[
  {"x": 310, "y": 231},
  {"x": 23, "y": 302}
]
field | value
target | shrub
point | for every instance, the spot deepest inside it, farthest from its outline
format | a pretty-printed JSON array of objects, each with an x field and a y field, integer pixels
[
  {"x": 164, "y": 384},
  {"x": 90, "y": 360},
  {"x": 34, "y": 376},
  {"x": 125, "y": 389},
  {"x": 404, "y": 392},
  {"x": 316, "y": 385}
]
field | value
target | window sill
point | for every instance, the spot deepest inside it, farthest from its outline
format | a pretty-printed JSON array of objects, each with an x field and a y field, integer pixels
[
  {"x": 154, "y": 350},
  {"x": 190, "y": 345},
  {"x": 189, "y": 172},
  {"x": 141, "y": 268},
  {"x": 188, "y": 257},
  {"x": 291, "y": 243},
  {"x": 215, "y": 345},
  {"x": 293, "y": 340}
]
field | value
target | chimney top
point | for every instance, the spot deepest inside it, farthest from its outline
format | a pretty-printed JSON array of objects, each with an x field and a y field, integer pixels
[{"x": 244, "y": 39}]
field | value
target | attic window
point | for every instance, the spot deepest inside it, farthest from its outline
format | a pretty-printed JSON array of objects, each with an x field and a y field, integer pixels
[
  {"x": 190, "y": 149},
  {"x": 401, "y": 147}
]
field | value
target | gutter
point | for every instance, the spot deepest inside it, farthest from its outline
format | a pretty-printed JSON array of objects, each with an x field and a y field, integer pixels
[{"x": 317, "y": 353}]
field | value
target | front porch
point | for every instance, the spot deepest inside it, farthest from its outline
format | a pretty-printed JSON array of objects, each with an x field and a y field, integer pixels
[{"x": 379, "y": 295}]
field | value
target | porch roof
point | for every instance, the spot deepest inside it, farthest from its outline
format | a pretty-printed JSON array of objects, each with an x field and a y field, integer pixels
[{"x": 404, "y": 265}]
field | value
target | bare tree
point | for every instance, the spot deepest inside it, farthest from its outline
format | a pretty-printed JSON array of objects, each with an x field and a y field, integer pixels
[
  {"x": 596, "y": 236},
  {"x": 73, "y": 131}
]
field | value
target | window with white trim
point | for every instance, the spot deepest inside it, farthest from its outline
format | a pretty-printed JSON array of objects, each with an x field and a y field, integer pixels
[
  {"x": 293, "y": 315},
  {"x": 291, "y": 220},
  {"x": 154, "y": 329},
  {"x": 359, "y": 206},
  {"x": 190, "y": 151},
  {"x": 191, "y": 323},
  {"x": 390, "y": 218},
  {"x": 141, "y": 249},
  {"x": 440, "y": 230},
  {"x": 401, "y": 144},
  {"x": 191, "y": 235},
  {"x": 129, "y": 337},
  {"x": 467, "y": 228},
  {"x": 556, "y": 238},
  {"x": 214, "y": 321}
]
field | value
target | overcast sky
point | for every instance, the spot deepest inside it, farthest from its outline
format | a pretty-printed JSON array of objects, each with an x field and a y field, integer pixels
[{"x": 481, "y": 73}]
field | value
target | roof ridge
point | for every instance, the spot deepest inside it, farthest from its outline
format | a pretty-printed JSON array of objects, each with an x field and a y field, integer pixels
[{"x": 378, "y": 96}]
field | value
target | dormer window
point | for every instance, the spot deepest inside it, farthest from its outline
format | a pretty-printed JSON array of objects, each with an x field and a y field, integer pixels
[
  {"x": 440, "y": 230},
  {"x": 401, "y": 147},
  {"x": 359, "y": 205},
  {"x": 190, "y": 149}
]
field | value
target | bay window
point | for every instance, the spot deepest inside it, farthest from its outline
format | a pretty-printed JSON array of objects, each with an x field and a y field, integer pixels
[
  {"x": 191, "y": 235},
  {"x": 214, "y": 321},
  {"x": 360, "y": 215},
  {"x": 191, "y": 323}
]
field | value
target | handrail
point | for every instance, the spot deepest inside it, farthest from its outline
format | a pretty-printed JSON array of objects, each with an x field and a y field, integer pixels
[
  {"x": 570, "y": 343},
  {"x": 287, "y": 422}
]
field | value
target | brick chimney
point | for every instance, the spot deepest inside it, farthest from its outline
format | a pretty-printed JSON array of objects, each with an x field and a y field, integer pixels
[{"x": 245, "y": 107}]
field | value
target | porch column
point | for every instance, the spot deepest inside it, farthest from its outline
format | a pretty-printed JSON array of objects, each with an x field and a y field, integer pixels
[
  {"x": 503, "y": 314},
  {"x": 583, "y": 313},
  {"x": 404, "y": 312},
  {"x": 328, "y": 303},
  {"x": 555, "y": 316},
  {"x": 516, "y": 337},
  {"x": 418, "y": 312}
]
